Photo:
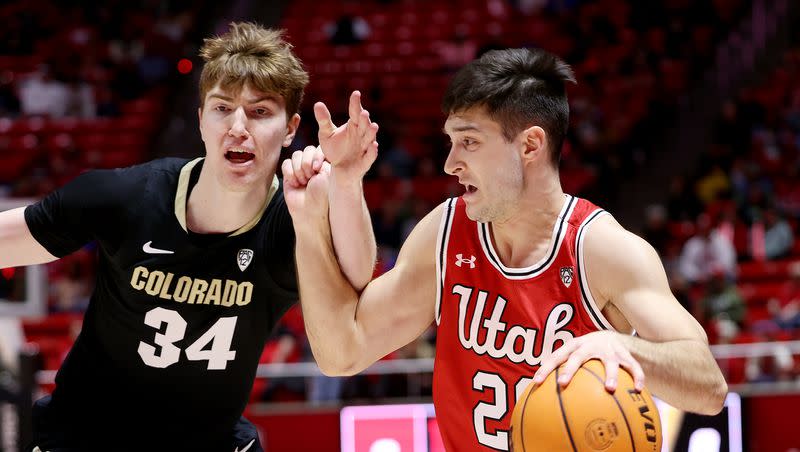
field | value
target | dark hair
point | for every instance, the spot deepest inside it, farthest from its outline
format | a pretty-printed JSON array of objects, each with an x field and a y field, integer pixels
[{"x": 519, "y": 88}]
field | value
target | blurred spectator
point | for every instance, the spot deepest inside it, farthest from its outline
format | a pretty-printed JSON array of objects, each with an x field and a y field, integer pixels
[
  {"x": 529, "y": 7},
  {"x": 348, "y": 29},
  {"x": 730, "y": 130},
  {"x": 288, "y": 344},
  {"x": 712, "y": 184},
  {"x": 419, "y": 208},
  {"x": 778, "y": 235},
  {"x": 777, "y": 366},
  {"x": 107, "y": 105},
  {"x": 722, "y": 307},
  {"x": 707, "y": 252},
  {"x": 656, "y": 230},
  {"x": 9, "y": 102},
  {"x": 682, "y": 204},
  {"x": 79, "y": 100},
  {"x": 388, "y": 231},
  {"x": 398, "y": 157},
  {"x": 71, "y": 289},
  {"x": 41, "y": 95},
  {"x": 784, "y": 309},
  {"x": 457, "y": 51},
  {"x": 757, "y": 201}
]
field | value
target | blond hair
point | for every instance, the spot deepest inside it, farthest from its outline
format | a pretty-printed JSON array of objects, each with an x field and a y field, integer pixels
[{"x": 251, "y": 53}]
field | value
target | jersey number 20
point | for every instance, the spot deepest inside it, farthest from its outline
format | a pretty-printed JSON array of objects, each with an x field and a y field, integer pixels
[
  {"x": 219, "y": 336},
  {"x": 482, "y": 381}
]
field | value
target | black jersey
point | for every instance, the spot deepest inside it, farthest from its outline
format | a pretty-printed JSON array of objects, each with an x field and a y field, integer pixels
[{"x": 177, "y": 322}]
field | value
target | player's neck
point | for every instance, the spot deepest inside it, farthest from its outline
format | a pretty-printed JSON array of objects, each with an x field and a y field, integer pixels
[
  {"x": 213, "y": 209},
  {"x": 524, "y": 238}
]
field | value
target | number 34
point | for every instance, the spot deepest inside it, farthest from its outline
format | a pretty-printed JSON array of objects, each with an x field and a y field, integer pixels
[{"x": 219, "y": 336}]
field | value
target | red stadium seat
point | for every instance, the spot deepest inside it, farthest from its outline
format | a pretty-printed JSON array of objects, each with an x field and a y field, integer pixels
[{"x": 765, "y": 271}]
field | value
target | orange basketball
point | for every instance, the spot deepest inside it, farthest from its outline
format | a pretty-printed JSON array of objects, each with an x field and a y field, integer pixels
[{"x": 584, "y": 417}]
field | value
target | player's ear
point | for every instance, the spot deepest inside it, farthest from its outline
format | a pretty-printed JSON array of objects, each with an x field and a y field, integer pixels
[
  {"x": 291, "y": 129},
  {"x": 534, "y": 143},
  {"x": 200, "y": 121}
]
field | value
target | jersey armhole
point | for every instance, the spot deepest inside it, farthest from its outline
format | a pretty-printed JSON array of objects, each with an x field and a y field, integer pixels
[
  {"x": 588, "y": 301},
  {"x": 442, "y": 240}
]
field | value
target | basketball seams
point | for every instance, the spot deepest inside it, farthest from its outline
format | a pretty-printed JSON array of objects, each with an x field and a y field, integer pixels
[
  {"x": 564, "y": 413},
  {"x": 614, "y": 396},
  {"x": 522, "y": 418}
]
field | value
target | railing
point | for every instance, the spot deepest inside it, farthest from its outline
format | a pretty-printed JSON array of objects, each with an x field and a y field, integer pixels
[{"x": 425, "y": 365}]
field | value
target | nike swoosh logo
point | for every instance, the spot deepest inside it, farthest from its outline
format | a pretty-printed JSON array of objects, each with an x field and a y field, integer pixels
[
  {"x": 150, "y": 250},
  {"x": 245, "y": 447}
]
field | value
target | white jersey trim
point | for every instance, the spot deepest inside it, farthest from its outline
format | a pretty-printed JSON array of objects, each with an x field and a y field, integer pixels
[
  {"x": 442, "y": 242},
  {"x": 182, "y": 194},
  {"x": 589, "y": 303},
  {"x": 559, "y": 232}
]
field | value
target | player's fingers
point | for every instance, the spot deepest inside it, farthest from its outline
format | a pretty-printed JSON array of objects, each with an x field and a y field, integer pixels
[
  {"x": 372, "y": 152},
  {"x": 636, "y": 371},
  {"x": 307, "y": 161},
  {"x": 354, "y": 107},
  {"x": 371, "y": 132},
  {"x": 319, "y": 158},
  {"x": 569, "y": 368},
  {"x": 288, "y": 174},
  {"x": 297, "y": 167},
  {"x": 323, "y": 116},
  {"x": 612, "y": 372},
  {"x": 363, "y": 122},
  {"x": 550, "y": 363}
]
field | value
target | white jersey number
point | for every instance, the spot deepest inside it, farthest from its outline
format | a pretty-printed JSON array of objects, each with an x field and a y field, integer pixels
[
  {"x": 219, "y": 336},
  {"x": 496, "y": 410}
]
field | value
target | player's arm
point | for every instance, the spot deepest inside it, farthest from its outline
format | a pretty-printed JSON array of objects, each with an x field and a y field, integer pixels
[
  {"x": 348, "y": 332},
  {"x": 17, "y": 245},
  {"x": 626, "y": 276},
  {"x": 66, "y": 219},
  {"x": 351, "y": 149}
]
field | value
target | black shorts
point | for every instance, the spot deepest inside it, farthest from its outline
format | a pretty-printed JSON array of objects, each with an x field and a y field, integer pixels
[{"x": 52, "y": 434}]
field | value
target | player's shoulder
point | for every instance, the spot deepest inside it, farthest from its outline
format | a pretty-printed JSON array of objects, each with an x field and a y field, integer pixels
[
  {"x": 608, "y": 244},
  {"x": 133, "y": 176},
  {"x": 168, "y": 167},
  {"x": 130, "y": 185},
  {"x": 580, "y": 211}
]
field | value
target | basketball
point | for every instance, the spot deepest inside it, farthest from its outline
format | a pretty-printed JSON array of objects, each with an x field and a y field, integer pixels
[{"x": 584, "y": 416}]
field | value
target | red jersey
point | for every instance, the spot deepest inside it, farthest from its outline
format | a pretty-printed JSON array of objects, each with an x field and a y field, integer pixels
[{"x": 497, "y": 323}]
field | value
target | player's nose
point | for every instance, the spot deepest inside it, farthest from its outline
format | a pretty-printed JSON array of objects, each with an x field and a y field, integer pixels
[
  {"x": 238, "y": 126},
  {"x": 453, "y": 164}
]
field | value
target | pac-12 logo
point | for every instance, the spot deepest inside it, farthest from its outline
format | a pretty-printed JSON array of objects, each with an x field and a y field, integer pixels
[
  {"x": 243, "y": 258},
  {"x": 567, "y": 275}
]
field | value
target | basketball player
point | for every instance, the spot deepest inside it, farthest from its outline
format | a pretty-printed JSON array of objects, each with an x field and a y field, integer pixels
[
  {"x": 510, "y": 271},
  {"x": 196, "y": 262}
]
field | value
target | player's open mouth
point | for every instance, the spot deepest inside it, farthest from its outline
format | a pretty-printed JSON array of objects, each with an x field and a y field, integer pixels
[{"x": 239, "y": 156}]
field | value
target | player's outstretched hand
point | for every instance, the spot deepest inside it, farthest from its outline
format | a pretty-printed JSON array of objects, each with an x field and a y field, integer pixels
[
  {"x": 305, "y": 183},
  {"x": 603, "y": 345},
  {"x": 350, "y": 148}
]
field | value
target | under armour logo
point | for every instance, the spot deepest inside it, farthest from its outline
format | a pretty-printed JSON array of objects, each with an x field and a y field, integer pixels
[
  {"x": 567, "y": 274},
  {"x": 243, "y": 258},
  {"x": 460, "y": 260}
]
